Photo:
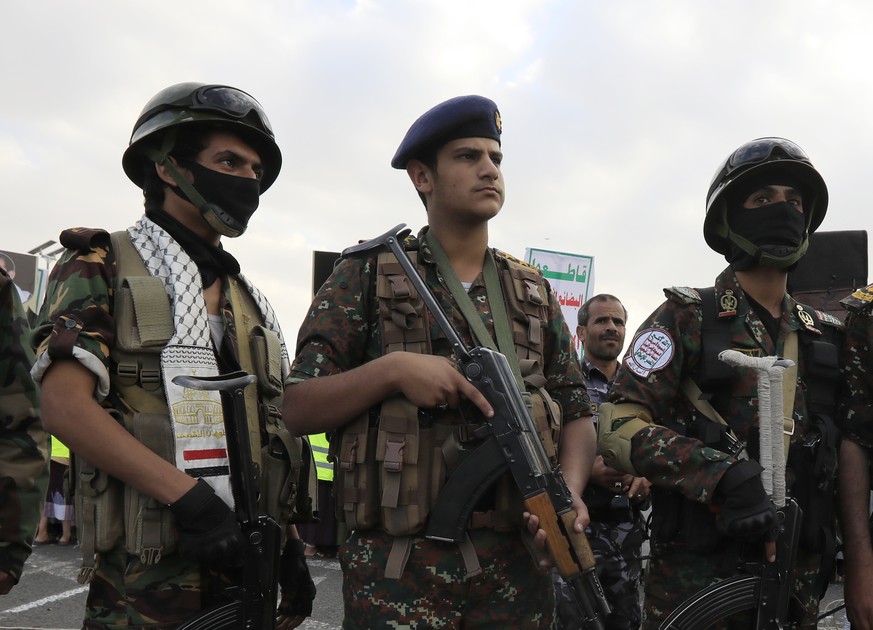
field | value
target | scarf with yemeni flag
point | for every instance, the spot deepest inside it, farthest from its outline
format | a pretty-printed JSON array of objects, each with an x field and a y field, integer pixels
[{"x": 198, "y": 421}]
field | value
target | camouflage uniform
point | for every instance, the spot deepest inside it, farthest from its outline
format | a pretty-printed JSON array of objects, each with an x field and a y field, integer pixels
[
  {"x": 856, "y": 417},
  {"x": 616, "y": 534},
  {"x": 341, "y": 332},
  {"x": 76, "y": 321},
  {"x": 23, "y": 443},
  {"x": 687, "y": 560}
]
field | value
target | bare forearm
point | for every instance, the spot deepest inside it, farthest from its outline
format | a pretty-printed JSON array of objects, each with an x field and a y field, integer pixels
[
  {"x": 578, "y": 450},
  {"x": 855, "y": 500},
  {"x": 71, "y": 413},
  {"x": 328, "y": 402}
]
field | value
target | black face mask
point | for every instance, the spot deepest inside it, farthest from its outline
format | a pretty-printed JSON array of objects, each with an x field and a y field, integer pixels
[
  {"x": 776, "y": 230},
  {"x": 230, "y": 200}
]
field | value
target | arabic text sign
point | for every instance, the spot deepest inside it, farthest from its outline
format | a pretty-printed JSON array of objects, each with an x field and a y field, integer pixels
[{"x": 571, "y": 277}]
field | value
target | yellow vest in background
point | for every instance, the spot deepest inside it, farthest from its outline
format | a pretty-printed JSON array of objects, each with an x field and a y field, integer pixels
[
  {"x": 320, "y": 446},
  {"x": 60, "y": 451}
]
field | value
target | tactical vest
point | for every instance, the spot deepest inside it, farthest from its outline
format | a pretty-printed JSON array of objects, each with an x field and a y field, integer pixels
[
  {"x": 390, "y": 469},
  {"x": 812, "y": 461},
  {"x": 110, "y": 512}
]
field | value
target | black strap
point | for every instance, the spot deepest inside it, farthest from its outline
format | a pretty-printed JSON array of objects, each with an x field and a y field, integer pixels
[
  {"x": 715, "y": 336},
  {"x": 821, "y": 367}
]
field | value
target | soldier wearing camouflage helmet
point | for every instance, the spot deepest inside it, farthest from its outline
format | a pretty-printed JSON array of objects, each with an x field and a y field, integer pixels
[
  {"x": 763, "y": 203},
  {"x": 23, "y": 442},
  {"x": 127, "y": 312},
  {"x": 371, "y": 370}
]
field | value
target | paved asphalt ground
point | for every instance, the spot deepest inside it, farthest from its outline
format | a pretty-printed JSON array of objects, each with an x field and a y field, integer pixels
[{"x": 49, "y": 597}]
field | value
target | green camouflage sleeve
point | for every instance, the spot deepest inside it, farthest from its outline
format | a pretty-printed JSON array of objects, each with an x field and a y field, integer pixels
[
  {"x": 336, "y": 335},
  {"x": 75, "y": 321},
  {"x": 856, "y": 412},
  {"x": 23, "y": 442},
  {"x": 665, "y": 348}
]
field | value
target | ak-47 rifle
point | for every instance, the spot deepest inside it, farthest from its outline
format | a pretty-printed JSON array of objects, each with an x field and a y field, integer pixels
[
  {"x": 511, "y": 442},
  {"x": 252, "y": 602},
  {"x": 760, "y": 586}
]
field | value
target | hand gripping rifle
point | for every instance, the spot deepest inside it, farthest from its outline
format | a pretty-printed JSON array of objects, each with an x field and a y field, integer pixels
[
  {"x": 510, "y": 442},
  {"x": 253, "y": 601},
  {"x": 763, "y": 587}
]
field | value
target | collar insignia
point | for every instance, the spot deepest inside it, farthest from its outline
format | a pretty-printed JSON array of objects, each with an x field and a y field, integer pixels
[
  {"x": 807, "y": 320},
  {"x": 728, "y": 303}
]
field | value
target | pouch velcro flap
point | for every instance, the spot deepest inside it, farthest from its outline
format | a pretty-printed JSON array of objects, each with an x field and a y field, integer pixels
[{"x": 151, "y": 306}]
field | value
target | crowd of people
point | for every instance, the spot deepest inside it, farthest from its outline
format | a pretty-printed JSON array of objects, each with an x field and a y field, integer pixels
[{"x": 680, "y": 430}]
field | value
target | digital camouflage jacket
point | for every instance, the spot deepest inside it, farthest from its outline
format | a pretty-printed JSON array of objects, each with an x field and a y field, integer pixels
[
  {"x": 856, "y": 411},
  {"x": 341, "y": 330},
  {"x": 667, "y": 348}
]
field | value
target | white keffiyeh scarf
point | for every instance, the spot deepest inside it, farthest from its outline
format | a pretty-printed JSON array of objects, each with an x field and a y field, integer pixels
[{"x": 198, "y": 423}]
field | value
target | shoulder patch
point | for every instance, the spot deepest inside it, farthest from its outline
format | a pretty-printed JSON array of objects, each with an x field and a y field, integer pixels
[
  {"x": 650, "y": 351},
  {"x": 861, "y": 300},
  {"x": 827, "y": 318},
  {"x": 683, "y": 295},
  {"x": 84, "y": 238}
]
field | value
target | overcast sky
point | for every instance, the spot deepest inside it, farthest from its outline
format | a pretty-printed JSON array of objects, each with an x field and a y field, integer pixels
[{"x": 616, "y": 115}]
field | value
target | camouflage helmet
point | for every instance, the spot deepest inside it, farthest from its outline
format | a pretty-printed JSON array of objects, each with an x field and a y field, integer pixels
[
  {"x": 774, "y": 156},
  {"x": 197, "y": 103}
]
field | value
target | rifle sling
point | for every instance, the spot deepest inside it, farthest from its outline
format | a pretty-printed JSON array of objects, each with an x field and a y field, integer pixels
[
  {"x": 505, "y": 343},
  {"x": 244, "y": 327},
  {"x": 789, "y": 386}
]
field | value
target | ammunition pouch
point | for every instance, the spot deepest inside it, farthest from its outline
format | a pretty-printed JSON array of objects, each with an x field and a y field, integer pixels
[
  {"x": 813, "y": 462},
  {"x": 545, "y": 412},
  {"x": 390, "y": 475},
  {"x": 288, "y": 479},
  {"x": 390, "y": 468},
  {"x": 98, "y": 500},
  {"x": 150, "y": 527},
  {"x": 143, "y": 327},
  {"x": 616, "y": 427},
  {"x": 675, "y": 517}
]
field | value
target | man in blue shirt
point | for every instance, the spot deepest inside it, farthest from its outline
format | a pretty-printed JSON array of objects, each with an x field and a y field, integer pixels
[{"x": 614, "y": 499}]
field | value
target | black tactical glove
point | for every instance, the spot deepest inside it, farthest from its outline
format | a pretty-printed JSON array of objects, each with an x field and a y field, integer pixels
[
  {"x": 747, "y": 513},
  {"x": 298, "y": 589},
  {"x": 209, "y": 533}
]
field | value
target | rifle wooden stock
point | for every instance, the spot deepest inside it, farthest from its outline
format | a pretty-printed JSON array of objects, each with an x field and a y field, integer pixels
[{"x": 579, "y": 540}]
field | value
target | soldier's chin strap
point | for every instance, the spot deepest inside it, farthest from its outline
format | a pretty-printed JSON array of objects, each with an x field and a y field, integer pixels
[
  {"x": 764, "y": 257},
  {"x": 162, "y": 156},
  {"x": 218, "y": 219}
]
